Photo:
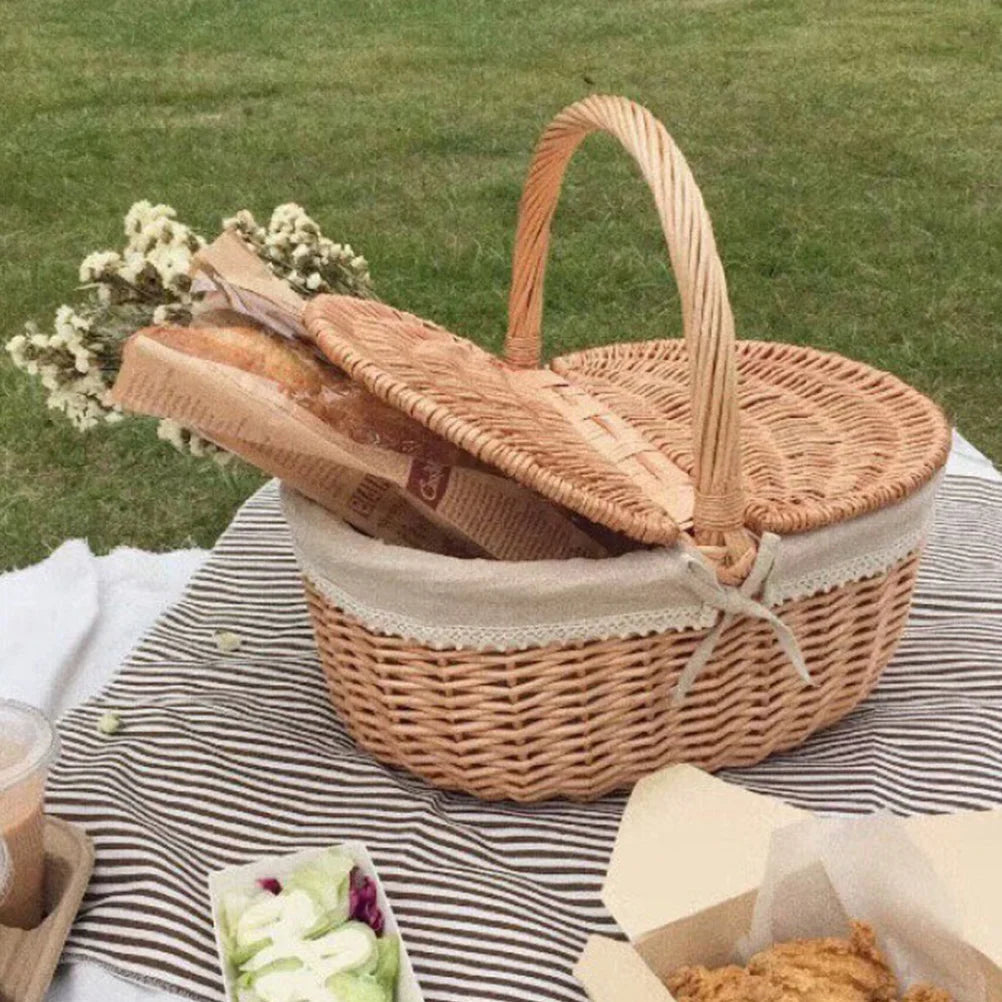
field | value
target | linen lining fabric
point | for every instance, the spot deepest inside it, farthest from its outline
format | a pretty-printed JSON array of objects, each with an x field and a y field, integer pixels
[{"x": 509, "y": 605}]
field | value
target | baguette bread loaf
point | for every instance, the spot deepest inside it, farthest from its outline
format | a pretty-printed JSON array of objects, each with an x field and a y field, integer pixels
[
  {"x": 294, "y": 365},
  {"x": 307, "y": 378}
]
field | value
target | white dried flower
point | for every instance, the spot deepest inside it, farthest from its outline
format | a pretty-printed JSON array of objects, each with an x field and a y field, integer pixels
[
  {"x": 136, "y": 218},
  {"x": 285, "y": 216},
  {"x": 243, "y": 220},
  {"x": 109, "y": 723},
  {"x": 64, "y": 320},
  {"x": 278, "y": 239},
  {"x": 170, "y": 262},
  {"x": 143, "y": 216},
  {"x": 83, "y": 411},
  {"x": 227, "y": 641},
  {"x": 247, "y": 227},
  {"x": 15, "y": 347},
  {"x": 171, "y": 431},
  {"x": 99, "y": 265},
  {"x": 91, "y": 384},
  {"x": 133, "y": 265},
  {"x": 149, "y": 282}
]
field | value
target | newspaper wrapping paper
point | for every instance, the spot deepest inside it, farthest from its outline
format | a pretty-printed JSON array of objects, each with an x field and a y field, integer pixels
[
  {"x": 822, "y": 872},
  {"x": 407, "y": 499},
  {"x": 230, "y": 269}
]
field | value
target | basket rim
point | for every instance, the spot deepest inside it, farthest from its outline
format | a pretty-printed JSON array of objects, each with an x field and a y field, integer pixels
[{"x": 503, "y": 605}]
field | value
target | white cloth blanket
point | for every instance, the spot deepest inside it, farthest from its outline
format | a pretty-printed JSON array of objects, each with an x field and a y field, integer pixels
[{"x": 67, "y": 623}]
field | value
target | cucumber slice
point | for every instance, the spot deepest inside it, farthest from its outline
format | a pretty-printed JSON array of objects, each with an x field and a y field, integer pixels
[
  {"x": 351, "y": 947},
  {"x": 323, "y": 925},
  {"x": 287, "y": 915},
  {"x": 325, "y": 879},
  {"x": 286, "y": 965},
  {"x": 233, "y": 905},
  {"x": 299, "y": 913},
  {"x": 357, "y": 988},
  {"x": 388, "y": 962},
  {"x": 287, "y": 984},
  {"x": 263, "y": 911},
  {"x": 239, "y": 955}
]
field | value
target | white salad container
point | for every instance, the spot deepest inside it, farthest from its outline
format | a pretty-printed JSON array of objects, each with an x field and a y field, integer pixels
[{"x": 244, "y": 877}]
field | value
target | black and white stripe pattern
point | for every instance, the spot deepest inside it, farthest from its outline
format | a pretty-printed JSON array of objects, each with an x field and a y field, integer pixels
[{"x": 223, "y": 757}]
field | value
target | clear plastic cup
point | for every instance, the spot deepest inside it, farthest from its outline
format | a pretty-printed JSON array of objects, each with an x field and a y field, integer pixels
[{"x": 28, "y": 746}]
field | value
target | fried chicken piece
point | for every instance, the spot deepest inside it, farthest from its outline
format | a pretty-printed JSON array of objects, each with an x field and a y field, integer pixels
[
  {"x": 830, "y": 970},
  {"x": 725, "y": 984},
  {"x": 926, "y": 993}
]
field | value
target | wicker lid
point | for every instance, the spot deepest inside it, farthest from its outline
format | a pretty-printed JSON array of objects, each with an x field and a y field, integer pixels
[
  {"x": 529, "y": 423},
  {"x": 823, "y": 438}
]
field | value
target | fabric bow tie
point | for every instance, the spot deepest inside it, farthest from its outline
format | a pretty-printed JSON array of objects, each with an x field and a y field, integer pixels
[{"x": 733, "y": 602}]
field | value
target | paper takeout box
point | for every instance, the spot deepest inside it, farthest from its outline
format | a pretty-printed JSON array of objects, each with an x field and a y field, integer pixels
[
  {"x": 691, "y": 853},
  {"x": 244, "y": 877}
]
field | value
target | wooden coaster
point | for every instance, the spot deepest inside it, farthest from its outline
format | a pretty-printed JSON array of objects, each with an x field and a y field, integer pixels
[{"x": 28, "y": 957}]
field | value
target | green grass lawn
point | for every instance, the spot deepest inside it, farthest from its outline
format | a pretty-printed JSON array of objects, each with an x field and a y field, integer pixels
[{"x": 849, "y": 154}]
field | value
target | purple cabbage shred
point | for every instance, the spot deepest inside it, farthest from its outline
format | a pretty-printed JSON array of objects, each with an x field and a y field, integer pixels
[
  {"x": 270, "y": 884},
  {"x": 362, "y": 906}
]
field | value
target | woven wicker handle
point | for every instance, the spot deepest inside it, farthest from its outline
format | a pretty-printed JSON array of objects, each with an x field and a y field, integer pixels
[{"x": 706, "y": 311}]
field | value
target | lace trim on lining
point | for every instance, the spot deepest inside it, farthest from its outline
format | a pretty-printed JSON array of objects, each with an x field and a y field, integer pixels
[
  {"x": 698, "y": 616},
  {"x": 857, "y": 568},
  {"x": 455, "y": 636}
]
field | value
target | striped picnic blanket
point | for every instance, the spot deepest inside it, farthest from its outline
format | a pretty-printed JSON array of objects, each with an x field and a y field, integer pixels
[{"x": 225, "y": 756}]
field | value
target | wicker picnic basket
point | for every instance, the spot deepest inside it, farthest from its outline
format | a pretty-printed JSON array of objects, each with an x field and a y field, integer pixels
[{"x": 812, "y": 483}]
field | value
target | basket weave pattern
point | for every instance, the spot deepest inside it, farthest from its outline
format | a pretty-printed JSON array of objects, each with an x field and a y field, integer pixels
[
  {"x": 583, "y": 720},
  {"x": 508, "y": 419}
]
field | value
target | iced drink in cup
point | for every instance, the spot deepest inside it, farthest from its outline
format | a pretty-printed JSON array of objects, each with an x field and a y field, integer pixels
[{"x": 28, "y": 744}]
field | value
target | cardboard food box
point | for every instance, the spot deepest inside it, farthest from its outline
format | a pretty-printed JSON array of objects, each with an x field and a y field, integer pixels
[
  {"x": 235, "y": 878},
  {"x": 689, "y": 859}
]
